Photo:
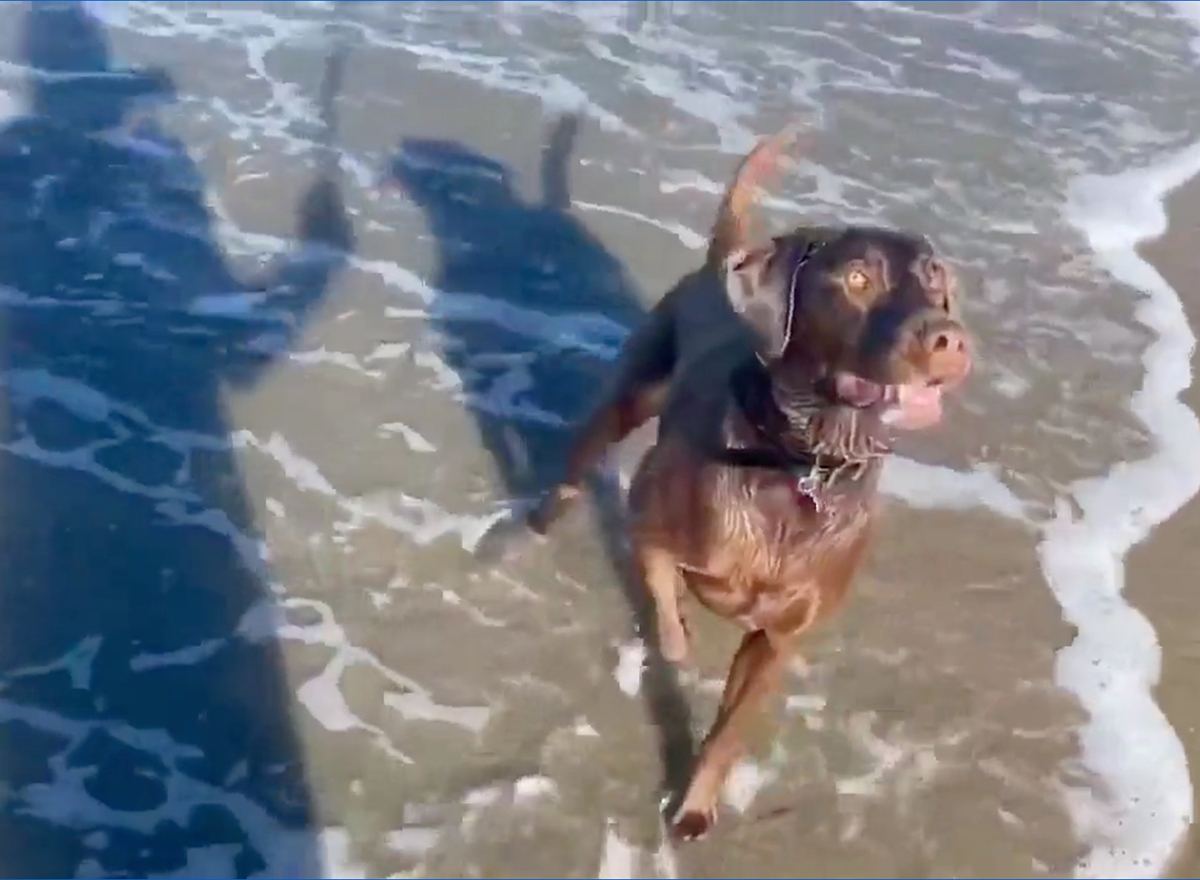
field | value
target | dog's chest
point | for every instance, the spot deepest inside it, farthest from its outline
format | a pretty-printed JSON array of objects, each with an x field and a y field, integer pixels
[
  {"x": 761, "y": 547},
  {"x": 769, "y": 571},
  {"x": 783, "y": 532}
]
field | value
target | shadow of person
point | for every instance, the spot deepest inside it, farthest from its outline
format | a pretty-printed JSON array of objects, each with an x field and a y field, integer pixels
[
  {"x": 145, "y": 724},
  {"x": 531, "y": 309}
]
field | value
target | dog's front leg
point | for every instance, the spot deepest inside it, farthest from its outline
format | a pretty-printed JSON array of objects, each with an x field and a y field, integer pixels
[
  {"x": 633, "y": 396},
  {"x": 622, "y": 412},
  {"x": 757, "y": 668}
]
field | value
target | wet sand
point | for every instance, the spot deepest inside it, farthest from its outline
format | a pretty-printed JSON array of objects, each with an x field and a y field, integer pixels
[
  {"x": 917, "y": 743},
  {"x": 1162, "y": 572},
  {"x": 463, "y": 721}
]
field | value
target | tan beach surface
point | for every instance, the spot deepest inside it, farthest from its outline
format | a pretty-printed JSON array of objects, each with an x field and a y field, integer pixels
[
  {"x": 1164, "y": 572},
  {"x": 241, "y": 630}
]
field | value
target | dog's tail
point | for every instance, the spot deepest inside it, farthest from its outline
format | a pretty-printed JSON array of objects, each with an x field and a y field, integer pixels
[{"x": 731, "y": 229}]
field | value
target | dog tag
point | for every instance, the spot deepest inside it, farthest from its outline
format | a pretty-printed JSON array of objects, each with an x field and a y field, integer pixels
[{"x": 808, "y": 490}]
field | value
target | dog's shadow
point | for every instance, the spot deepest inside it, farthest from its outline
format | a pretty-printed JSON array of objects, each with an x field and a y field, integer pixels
[{"x": 532, "y": 311}]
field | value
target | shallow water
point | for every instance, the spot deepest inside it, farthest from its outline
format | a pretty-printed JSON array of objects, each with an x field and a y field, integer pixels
[{"x": 242, "y": 635}]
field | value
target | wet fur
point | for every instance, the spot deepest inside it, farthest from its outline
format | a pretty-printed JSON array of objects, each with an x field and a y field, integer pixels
[{"x": 740, "y": 539}]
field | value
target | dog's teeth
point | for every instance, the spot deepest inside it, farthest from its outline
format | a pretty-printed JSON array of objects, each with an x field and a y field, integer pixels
[{"x": 858, "y": 391}]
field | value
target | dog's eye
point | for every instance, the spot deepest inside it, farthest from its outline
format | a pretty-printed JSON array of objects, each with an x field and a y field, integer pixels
[
  {"x": 862, "y": 282},
  {"x": 940, "y": 284}
]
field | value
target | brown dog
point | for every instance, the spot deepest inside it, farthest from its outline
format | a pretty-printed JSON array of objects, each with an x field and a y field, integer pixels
[{"x": 760, "y": 491}]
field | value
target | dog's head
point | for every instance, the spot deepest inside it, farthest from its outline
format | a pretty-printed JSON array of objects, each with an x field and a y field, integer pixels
[{"x": 854, "y": 317}]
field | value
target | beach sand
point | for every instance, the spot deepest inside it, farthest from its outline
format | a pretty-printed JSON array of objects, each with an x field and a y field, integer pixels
[
  {"x": 1162, "y": 571},
  {"x": 446, "y": 719},
  {"x": 892, "y": 754}
]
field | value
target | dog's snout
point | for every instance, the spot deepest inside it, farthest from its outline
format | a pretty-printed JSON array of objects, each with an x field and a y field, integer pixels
[
  {"x": 947, "y": 339},
  {"x": 943, "y": 347}
]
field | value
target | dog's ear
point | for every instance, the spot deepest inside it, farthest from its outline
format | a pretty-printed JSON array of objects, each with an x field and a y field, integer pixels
[
  {"x": 731, "y": 230},
  {"x": 762, "y": 297},
  {"x": 749, "y": 272}
]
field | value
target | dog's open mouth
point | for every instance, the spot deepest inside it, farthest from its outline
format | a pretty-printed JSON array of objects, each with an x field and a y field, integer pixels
[{"x": 909, "y": 406}]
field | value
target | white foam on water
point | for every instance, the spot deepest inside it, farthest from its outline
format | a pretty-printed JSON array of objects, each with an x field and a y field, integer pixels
[
  {"x": 622, "y": 860},
  {"x": 10, "y": 105},
  {"x": 664, "y": 858},
  {"x": 416, "y": 442},
  {"x": 590, "y": 332},
  {"x": 77, "y": 663},
  {"x": 322, "y": 695},
  {"x": 508, "y": 14},
  {"x": 493, "y": 70},
  {"x": 420, "y": 519},
  {"x": 412, "y": 841},
  {"x": 746, "y": 780},
  {"x": 529, "y": 788},
  {"x": 338, "y": 860},
  {"x": 259, "y": 32},
  {"x": 227, "y": 304},
  {"x": 62, "y": 797},
  {"x": 176, "y": 502},
  {"x": 1189, "y": 9},
  {"x": 58, "y": 800},
  {"x": 1128, "y": 740},
  {"x": 688, "y": 237},
  {"x": 189, "y": 656},
  {"x": 927, "y": 487},
  {"x": 618, "y": 858},
  {"x": 1136, "y": 826},
  {"x": 631, "y": 661},
  {"x": 340, "y": 359}
]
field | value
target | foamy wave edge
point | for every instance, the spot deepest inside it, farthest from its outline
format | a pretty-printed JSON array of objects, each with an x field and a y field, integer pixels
[{"x": 1113, "y": 664}]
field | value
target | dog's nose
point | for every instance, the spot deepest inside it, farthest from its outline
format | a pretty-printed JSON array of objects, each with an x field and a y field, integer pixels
[
  {"x": 946, "y": 347},
  {"x": 944, "y": 339}
]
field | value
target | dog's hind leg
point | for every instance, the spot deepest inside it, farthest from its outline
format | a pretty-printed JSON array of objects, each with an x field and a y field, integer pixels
[{"x": 659, "y": 572}]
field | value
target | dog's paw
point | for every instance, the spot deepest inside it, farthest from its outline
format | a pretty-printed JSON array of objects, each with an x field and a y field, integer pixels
[
  {"x": 693, "y": 824},
  {"x": 507, "y": 538}
]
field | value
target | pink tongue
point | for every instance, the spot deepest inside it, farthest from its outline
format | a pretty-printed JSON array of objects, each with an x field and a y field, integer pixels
[
  {"x": 915, "y": 407},
  {"x": 909, "y": 407}
]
